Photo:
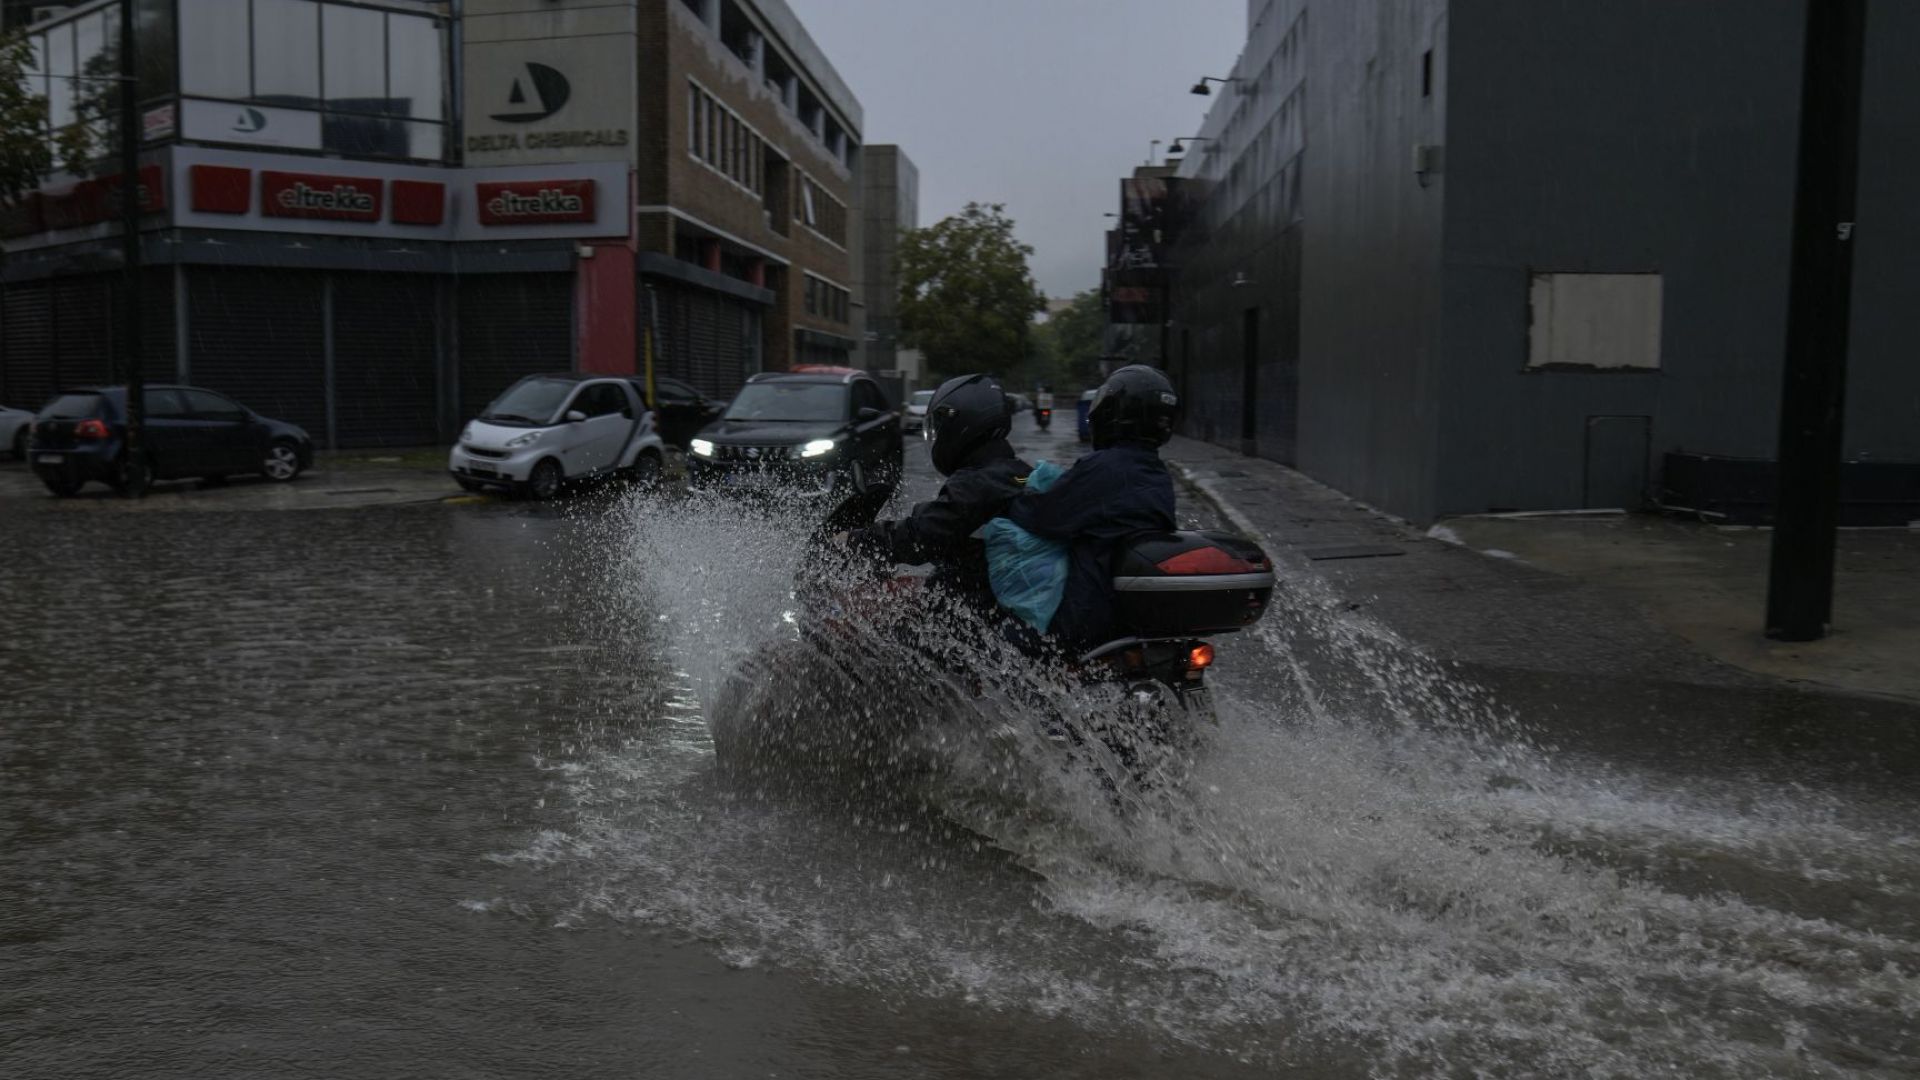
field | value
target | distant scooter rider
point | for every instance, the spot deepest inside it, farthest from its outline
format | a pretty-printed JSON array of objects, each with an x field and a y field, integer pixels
[
  {"x": 967, "y": 422},
  {"x": 1120, "y": 489}
]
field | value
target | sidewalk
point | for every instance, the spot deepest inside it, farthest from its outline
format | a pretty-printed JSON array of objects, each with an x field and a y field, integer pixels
[{"x": 1614, "y": 597}]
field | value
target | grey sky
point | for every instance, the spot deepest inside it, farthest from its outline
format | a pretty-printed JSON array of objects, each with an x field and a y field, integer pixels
[{"x": 1040, "y": 104}]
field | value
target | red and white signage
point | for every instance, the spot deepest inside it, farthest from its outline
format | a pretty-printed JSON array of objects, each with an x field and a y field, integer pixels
[
  {"x": 534, "y": 202},
  {"x": 220, "y": 189},
  {"x": 327, "y": 198}
]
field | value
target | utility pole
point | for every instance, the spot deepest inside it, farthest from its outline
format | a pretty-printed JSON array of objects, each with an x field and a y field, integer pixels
[
  {"x": 1813, "y": 394},
  {"x": 137, "y": 474}
]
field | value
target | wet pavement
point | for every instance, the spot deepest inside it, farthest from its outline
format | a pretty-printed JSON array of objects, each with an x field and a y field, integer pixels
[{"x": 425, "y": 790}]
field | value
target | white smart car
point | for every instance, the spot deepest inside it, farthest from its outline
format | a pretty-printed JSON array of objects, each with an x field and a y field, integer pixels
[
  {"x": 14, "y": 425},
  {"x": 548, "y": 430}
]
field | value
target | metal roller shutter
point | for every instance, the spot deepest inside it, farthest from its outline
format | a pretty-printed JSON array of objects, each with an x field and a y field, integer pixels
[
  {"x": 708, "y": 340},
  {"x": 83, "y": 330},
  {"x": 511, "y": 325},
  {"x": 26, "y": 345},
  {"x": 384, "y": 360},
  {"x": 257, "y": 334}
]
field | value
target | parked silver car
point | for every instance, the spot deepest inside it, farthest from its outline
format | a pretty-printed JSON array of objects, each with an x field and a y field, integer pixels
[{"x": 548, "y": 430}]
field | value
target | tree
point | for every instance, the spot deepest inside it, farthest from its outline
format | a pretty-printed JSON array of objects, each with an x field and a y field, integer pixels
[
  {"x": 1074, "y": 340},
  {"x": 967, "y": 298},
  {"x": 24, "y": 154}
]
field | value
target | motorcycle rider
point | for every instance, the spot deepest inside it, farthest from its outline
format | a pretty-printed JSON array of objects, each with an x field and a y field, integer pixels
[
  {"x": 967, "y": 422},
  {"x": 1120, "y": 489}
]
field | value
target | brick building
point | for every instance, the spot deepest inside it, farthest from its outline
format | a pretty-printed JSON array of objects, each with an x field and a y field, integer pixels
[{"x": 369, "y": 218}]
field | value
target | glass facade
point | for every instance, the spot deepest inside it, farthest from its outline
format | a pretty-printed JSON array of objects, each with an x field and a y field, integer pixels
[{"x": 375, "y": 75}]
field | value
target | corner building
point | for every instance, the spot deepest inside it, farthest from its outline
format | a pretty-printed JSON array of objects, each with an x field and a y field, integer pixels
[{"x": 370, "y": 218}]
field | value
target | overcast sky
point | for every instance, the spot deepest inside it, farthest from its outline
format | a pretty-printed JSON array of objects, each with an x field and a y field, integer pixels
[{"x": 1039, "y": 104}]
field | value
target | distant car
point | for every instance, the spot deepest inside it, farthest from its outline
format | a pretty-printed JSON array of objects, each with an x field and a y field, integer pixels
[
  {"x": 548, "y": 430},
  {"x": 816, "y": 430},
  {"x": 1085, "y": 425},
  {"x": 681, "y": 411},
  {"x": 81, "y": 436},
  {"x": 14, "y": 426},
  {"x": 915, "y": 417}
]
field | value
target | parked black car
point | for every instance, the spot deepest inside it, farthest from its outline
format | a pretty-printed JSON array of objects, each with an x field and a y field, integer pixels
[
  {"x": 680, "y": 411},
  {"x": 81, "y": 436},
  {"x": 816, "y": 430}
]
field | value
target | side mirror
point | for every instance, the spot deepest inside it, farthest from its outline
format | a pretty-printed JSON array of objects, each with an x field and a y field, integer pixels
[
  {"x": 869, "y": 413},
  {"x": 574, "y": 416}
]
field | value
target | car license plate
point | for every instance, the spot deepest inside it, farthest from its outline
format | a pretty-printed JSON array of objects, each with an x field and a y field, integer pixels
[
  {"x": 1199, "y": 702},
  {"x": 52, "y": 459}
]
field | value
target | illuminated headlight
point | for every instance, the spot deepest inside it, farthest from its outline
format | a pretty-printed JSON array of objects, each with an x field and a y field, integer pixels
[
  {"x": 528, "y": 439},
  {"x": 466, "y": 433},
  {"x": 701, "y": 448},
  {"x": 818, "y": 447}
]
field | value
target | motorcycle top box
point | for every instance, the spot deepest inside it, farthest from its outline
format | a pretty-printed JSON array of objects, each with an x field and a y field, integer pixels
[{"x": 1191, "y": 583}]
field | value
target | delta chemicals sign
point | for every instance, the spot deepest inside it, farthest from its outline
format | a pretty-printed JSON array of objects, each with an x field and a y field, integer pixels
[{"x": 532, "y": 97}]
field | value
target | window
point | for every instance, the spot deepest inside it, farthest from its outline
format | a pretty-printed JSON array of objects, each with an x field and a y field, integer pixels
[
  {"x": 163, "y": 405},
  {"x": 721, "y": 139},
  {"x": 416, "y": 85},
  {"x": 867, "y": 395},
  {"x": 601, "y": 399},
  {"x": 286, "y": 67},
  {"x": 354, "y": 41},
  {"x": 211, "y": 406},
  {"x": 1595, "y": 322},
  {"x": 821, "y": 212}
]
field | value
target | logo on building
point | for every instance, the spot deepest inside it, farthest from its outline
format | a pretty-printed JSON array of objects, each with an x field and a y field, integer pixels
[
  {"x": 248, "y": 121},
  {"x": 536, "y": 93},
  {"x": 305, "y": 195},
  {"x": 535, "y": 202}
]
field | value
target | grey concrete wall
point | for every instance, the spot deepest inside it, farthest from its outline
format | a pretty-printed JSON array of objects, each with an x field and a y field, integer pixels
[
  {"x": 1370, "y": 379},
  {"x": 1646, "y": 135},
  {"x": 890, "y": 202}
]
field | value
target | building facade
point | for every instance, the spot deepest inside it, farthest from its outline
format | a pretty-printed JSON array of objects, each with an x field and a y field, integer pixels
[
  {"x": 1454, "y": 256},
  {"x": 370, "y": 218},
  {"x": 890, "y": 202}
]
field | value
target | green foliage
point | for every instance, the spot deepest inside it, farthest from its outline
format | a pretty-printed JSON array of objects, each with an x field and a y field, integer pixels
[
  {"x": 94, "y": 132},
  {"x": 967, "y": 297},
  {"x": 1073, "y": 341},
  {"x": 24, "y": 154}
]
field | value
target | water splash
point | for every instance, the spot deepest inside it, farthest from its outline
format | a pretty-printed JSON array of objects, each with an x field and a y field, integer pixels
[{"x": 1370, "y": 853}]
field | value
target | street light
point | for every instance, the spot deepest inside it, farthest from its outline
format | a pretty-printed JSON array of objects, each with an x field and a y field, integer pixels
[
  {"x": 1176, "y": 149},
  {"x": 1201, "y": 86}
]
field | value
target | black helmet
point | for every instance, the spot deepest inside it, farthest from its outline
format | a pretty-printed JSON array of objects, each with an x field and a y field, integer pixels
[
  {"x": 967, "y": 412},
  {"x": 1136, "y": 402}
]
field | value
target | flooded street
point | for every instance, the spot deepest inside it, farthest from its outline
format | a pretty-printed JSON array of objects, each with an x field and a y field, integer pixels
[{"x": 428, "y": 791}]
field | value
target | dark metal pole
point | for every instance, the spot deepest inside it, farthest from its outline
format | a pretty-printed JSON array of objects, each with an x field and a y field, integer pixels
[
  {"x": 1813, "y": 393},
  {"x": 136, "y": 477}
]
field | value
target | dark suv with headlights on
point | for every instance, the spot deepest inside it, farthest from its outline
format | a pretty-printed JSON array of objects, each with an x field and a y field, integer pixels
[{"x": 814, "y": 431}]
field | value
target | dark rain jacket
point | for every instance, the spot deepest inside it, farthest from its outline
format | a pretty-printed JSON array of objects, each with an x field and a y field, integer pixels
[
  {"x": 1108, "y": 496},
  {"x": 941, "y": 531}
]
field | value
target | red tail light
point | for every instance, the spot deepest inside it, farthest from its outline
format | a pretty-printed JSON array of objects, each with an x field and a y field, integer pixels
[
  {"x": 1201, "y": 657},
  {"x": 91, "y": 429},
  {"x": 1210, "y": 560}
]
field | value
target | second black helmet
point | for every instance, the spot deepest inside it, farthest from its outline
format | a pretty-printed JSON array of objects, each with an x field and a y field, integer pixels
[
  {"x": 966, "y": 413},
  {"x": 1135, "y": 403}
]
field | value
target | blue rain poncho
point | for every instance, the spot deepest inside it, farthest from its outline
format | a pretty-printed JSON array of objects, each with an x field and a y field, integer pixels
[{"x": 1028, "y": 574}]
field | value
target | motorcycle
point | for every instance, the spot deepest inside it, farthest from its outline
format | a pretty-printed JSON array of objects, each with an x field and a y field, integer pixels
[
  {"x": 879, "y": 661},
  {"x": 1043, "y": 418}
]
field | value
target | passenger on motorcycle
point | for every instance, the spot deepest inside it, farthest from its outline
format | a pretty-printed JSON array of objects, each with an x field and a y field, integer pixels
[
  {"x": 967, "y": 423},
  {"x": 1120, "y": 489}
]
